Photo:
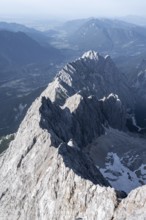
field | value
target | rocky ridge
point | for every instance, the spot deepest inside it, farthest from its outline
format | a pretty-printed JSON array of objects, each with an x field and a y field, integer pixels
[{"x": 49, "y": 172}]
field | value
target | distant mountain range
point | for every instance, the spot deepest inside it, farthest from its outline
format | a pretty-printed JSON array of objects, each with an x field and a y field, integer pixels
[
  {"x": 138, "y": 20},
  {"x": 20, "y": 49},
  {"x": 26, "y": 67},
  {"x": 109, "y": 36},
  {"x": 31, "y": 32}
]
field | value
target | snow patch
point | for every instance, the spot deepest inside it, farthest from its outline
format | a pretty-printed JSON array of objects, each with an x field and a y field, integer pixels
[
  {"x": 91, "y": 55},
  {"x": 119, "y": 176}
]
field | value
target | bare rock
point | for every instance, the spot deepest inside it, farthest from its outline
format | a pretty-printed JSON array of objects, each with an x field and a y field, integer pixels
[{"x": 133, "y": 207}]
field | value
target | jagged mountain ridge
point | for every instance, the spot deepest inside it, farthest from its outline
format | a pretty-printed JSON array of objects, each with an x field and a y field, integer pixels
[
  {"x": 52, "y": 175},
  {"x": 96, "y": 75}
]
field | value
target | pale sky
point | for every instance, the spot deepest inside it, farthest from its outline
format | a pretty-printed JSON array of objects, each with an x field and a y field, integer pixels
[{"x": 73, "y": 8}]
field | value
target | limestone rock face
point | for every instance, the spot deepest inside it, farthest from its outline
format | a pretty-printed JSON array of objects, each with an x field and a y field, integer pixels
[
  {"x": 44, "y": 178},
  {"x": 49, "y": 171},
  {"x": 133, "y": 207}
]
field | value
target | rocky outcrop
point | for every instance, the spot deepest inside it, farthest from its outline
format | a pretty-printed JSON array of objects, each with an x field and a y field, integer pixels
[
  {"x": 49, "y": 171},
  {"x": 133, "y": 207}
]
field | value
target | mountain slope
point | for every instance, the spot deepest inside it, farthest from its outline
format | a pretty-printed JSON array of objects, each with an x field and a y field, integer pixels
[
  {"x": 121, "y": 158},
  {"x": 48, "y": 171},
  {"x": 38, "y": 36},
  {"x": 140, "y": 91},
  {"x": 25, "y": 68},
  {"x": 33, "y": 170},
  {"x": 21, "y": 49}
]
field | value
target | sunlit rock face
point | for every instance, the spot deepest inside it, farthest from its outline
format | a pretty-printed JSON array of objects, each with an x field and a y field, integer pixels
[
  {"x": 62, "y": 162},
  {"x": 133, "y": 207}
]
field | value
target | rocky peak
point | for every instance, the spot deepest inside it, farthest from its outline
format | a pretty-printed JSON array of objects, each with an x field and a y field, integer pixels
[
  {"x": 91, "y": 55},
  {"x": 98, "y": 76}
]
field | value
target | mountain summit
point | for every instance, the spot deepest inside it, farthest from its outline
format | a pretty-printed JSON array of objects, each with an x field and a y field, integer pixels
[
  {"x": 91, "y": 55},
  {"x": 62, "y": 163}
]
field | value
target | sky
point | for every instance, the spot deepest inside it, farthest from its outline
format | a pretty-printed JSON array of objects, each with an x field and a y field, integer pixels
[{"x": 72, "y": 8}]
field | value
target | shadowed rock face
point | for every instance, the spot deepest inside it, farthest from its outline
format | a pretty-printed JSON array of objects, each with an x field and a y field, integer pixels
[
  {"x": 49, "y": 171},
  {"x": 78, "y": 125},
  {"x": 140, "y": 91},
  {"x": 113, "y": 109},
  {"x": 81, "y": 164}
]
